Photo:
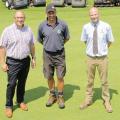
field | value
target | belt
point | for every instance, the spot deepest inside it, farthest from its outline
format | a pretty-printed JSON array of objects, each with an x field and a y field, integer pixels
[
  {"x": 19, "y": 60},
  {"x": 54, "y": 53},
  {"x": 97, "y": 57}
]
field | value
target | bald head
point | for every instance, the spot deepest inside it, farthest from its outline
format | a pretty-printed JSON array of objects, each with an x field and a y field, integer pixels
[
  {"x": 19, "y": 19},
  {"x": 93, "y": 9},
  {"x": 94, "y": 14}
]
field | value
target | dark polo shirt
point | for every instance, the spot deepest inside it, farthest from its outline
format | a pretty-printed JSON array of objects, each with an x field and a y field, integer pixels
[{"x": 53, "y": 39}]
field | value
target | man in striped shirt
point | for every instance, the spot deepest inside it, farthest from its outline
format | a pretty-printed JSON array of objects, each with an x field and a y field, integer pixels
[{"x": 16, "y": 44}]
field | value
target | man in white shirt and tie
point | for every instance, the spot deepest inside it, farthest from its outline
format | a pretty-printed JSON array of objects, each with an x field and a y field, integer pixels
[{"x": 97, "y": 36}]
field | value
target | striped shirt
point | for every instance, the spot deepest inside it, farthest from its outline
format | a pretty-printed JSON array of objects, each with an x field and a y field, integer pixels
[
  {"x": 17, "y": 41},
  {"x": 104, "y": 33}
]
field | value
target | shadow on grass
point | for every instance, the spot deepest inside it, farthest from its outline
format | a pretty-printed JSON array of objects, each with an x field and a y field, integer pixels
[
  {"x": 36, "y": 93},
  {"x": 69, "y": 91},
  {"x": 98, "y": 93},
  {"x": 33, "y": 94}
]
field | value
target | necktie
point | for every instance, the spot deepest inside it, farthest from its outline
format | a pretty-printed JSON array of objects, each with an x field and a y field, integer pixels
[{"x": 95, "y": 41}]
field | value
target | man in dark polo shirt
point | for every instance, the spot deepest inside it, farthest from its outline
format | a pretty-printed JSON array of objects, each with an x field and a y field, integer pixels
[{"x": 53, "y": 34}]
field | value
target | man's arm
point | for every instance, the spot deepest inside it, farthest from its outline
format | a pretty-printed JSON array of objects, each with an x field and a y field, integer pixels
[
  {"x": 66, "y": 34},
  {"x": 32, "y": 50},
  {"x": 40, "y": 35},
  {"x": 2, "y": 59}
]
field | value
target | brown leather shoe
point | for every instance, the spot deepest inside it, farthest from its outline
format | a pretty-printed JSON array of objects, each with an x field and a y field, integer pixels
[
  {"x": 108, "y": 107},
  {"x": 23, "y": 106},
  {"x": 85, "y": 105},
  {"x": 8, "y": 112}
]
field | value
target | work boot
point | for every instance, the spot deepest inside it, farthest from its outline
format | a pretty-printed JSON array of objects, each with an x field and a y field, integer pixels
[
  {"x": 51, "y": 100},
  {"x": 61, "y": 101}
]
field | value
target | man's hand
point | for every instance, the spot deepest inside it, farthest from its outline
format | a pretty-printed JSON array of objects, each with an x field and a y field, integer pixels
[
  {"x": 33, "y": 63},
  {"x": 4, "y": 67}
]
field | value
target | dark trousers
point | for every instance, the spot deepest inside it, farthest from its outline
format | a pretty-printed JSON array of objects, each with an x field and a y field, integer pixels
[{"x": 17, "y": 75}]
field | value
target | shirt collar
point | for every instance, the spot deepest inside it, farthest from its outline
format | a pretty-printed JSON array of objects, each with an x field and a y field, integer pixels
[
  {"x": 17, "y": 27},
  {"x": 95, "y": 24}
]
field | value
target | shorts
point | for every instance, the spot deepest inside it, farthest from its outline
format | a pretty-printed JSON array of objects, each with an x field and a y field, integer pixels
[{"x": 54, "y": 61}]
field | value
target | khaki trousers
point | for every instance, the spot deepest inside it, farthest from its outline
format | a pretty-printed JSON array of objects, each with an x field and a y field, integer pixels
[{"x": 101, "y": 64}]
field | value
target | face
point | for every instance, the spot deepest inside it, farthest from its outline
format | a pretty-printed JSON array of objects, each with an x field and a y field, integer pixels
[
  {"x": 19, "y": 19},
  {"x": 94, "y": 15},
  {"x": 51, "y": 16}
]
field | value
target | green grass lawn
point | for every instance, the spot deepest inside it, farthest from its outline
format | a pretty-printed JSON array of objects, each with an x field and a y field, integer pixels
[{"x": 75, "y": 80}]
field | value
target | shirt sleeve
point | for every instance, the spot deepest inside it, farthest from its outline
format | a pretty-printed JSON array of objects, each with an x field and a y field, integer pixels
[
  {"x": 110, "y": 37},
  {"x": 83, "y": 35},
  {"x": 4, "y": 39}
]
